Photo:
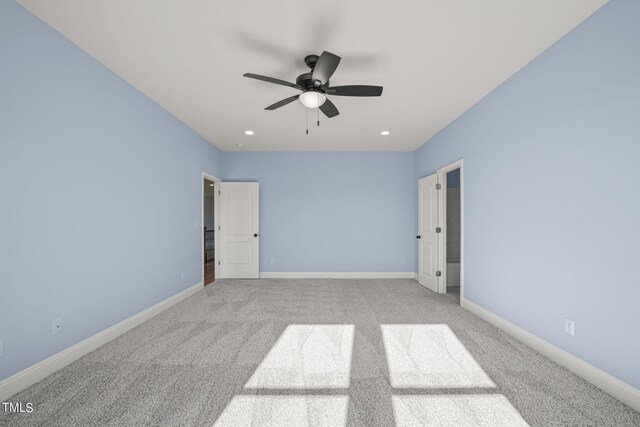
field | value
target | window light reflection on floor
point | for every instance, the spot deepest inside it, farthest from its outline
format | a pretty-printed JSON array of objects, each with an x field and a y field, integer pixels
[
  {"x": 307, "y": 357},
  {"x": 267, "y": 410},
  {"x": 319, "y": 357},
  {"x": 430, "y": 356},
  {"x": 472, "y": 410}
]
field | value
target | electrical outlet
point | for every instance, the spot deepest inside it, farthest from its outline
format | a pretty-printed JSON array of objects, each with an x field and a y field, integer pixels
[
  {"x": 1, "y": 348},
  {"x": 272, "y": 261},
  {"x": 403, "y": 261},
  {"x": 56, "y": 326},
  {"x": 569, "y": 327}
]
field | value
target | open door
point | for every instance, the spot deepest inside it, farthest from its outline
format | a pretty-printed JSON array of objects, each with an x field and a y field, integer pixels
[
  {"x": 239, "y": 230},
  {"x": 428, "y": 274}
]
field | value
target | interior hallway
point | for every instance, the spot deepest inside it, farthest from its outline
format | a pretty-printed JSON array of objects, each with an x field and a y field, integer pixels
[
  {"x": 209, "y": 272},
  {"x": 185, "y": 366}
]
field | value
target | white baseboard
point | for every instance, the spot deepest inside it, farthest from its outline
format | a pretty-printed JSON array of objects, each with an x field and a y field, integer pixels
[
  {"x": 336, "y": 275},
  {"x": 415, "y": 276},
  {"x": 608, "y": 383},
  {"x": 41, "y": 370}
]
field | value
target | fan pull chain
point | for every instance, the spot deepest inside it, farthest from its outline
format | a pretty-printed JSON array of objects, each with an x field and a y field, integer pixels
[
  {"x": 318, "y": 115},
  {"x": 307, "y": 121}
]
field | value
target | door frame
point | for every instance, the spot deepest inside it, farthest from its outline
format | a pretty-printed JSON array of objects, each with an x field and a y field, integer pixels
[
  {"x": 442, "y": 217},
  {"x": 216, "y": 223}
]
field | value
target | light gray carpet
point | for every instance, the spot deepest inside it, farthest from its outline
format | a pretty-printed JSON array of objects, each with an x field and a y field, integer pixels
[
  {"x": 185, "y": 365},
  {"x": 453, "y": 292}
]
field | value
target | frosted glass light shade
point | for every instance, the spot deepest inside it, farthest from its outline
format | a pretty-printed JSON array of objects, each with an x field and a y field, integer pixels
[{"x": 312, "y": 99}]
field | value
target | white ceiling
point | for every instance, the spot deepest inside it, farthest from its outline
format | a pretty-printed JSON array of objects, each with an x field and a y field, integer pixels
[{"x": 435, "y": 59}]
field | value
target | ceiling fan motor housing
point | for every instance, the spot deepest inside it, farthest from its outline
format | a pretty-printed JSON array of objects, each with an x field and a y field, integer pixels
[{"x": 307, "y": 83}]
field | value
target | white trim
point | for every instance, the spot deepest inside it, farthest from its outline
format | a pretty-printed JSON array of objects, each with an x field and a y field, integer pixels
[
  {"x": 442, "y": 247},
  {"x": 606, "y": 382},
  {"x": 415, "y": 276},
  {"x": 216, "y": 223},
  {"x": 337, "y": 275},
  {"x": 43, "y": 369}
]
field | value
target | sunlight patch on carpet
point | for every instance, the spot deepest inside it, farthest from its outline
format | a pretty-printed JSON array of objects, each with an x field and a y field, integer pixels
[
  {"x": 307, "y": 357},
  {"x": 430, "y": 356},
  {"x": 479, "y": 410}
]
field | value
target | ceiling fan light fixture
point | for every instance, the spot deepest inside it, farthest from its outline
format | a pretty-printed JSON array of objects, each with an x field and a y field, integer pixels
[
  {"x": 312, "y": 99},
  {"x": 314, "y": 86}
]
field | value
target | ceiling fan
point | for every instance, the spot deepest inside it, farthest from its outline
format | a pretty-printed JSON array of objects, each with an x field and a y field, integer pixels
[{"x": 315, "y": 85}]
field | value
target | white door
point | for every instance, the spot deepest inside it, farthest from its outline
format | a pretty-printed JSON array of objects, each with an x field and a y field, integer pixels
[
  {"x": 428, "y": 275},
  {"x": 239, "y": 230}
]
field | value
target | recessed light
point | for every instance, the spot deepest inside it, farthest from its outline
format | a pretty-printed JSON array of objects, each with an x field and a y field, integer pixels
[
  {"x": 249, "y": 132},
  {"x": 385, "y": 133},
  {"x": 239, "y": 144}
]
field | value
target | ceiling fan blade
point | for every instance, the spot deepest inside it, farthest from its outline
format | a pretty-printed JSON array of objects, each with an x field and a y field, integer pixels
[
  {"x": 283, "y": 102},
  {"x": 329, "y": 109},
  {"x": 355, "y": 90},
  {"x": 325, "y": 67},
  {"x": 272, "y": 80}
]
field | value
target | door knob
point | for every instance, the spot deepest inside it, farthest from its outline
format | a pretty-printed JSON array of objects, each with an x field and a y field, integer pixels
[
  {"x": 418, "y": 236},
  {"x": 255, "y": 235}
]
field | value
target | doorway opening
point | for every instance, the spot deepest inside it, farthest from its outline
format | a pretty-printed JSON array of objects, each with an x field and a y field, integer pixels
[
  {"x": 451, "y": 219},
  {"x": 441, "y": 231},
  {"x": 453, "y": 223},
  {"x": 209, "y": 226}
]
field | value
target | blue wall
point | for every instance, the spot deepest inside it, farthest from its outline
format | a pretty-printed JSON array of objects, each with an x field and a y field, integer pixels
[
  {"x": 99, "y": 188},
  {"x": 552, "y": 212},
  {"x": 331, "y": 211},
  {"x": 103, "y": 189}
]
